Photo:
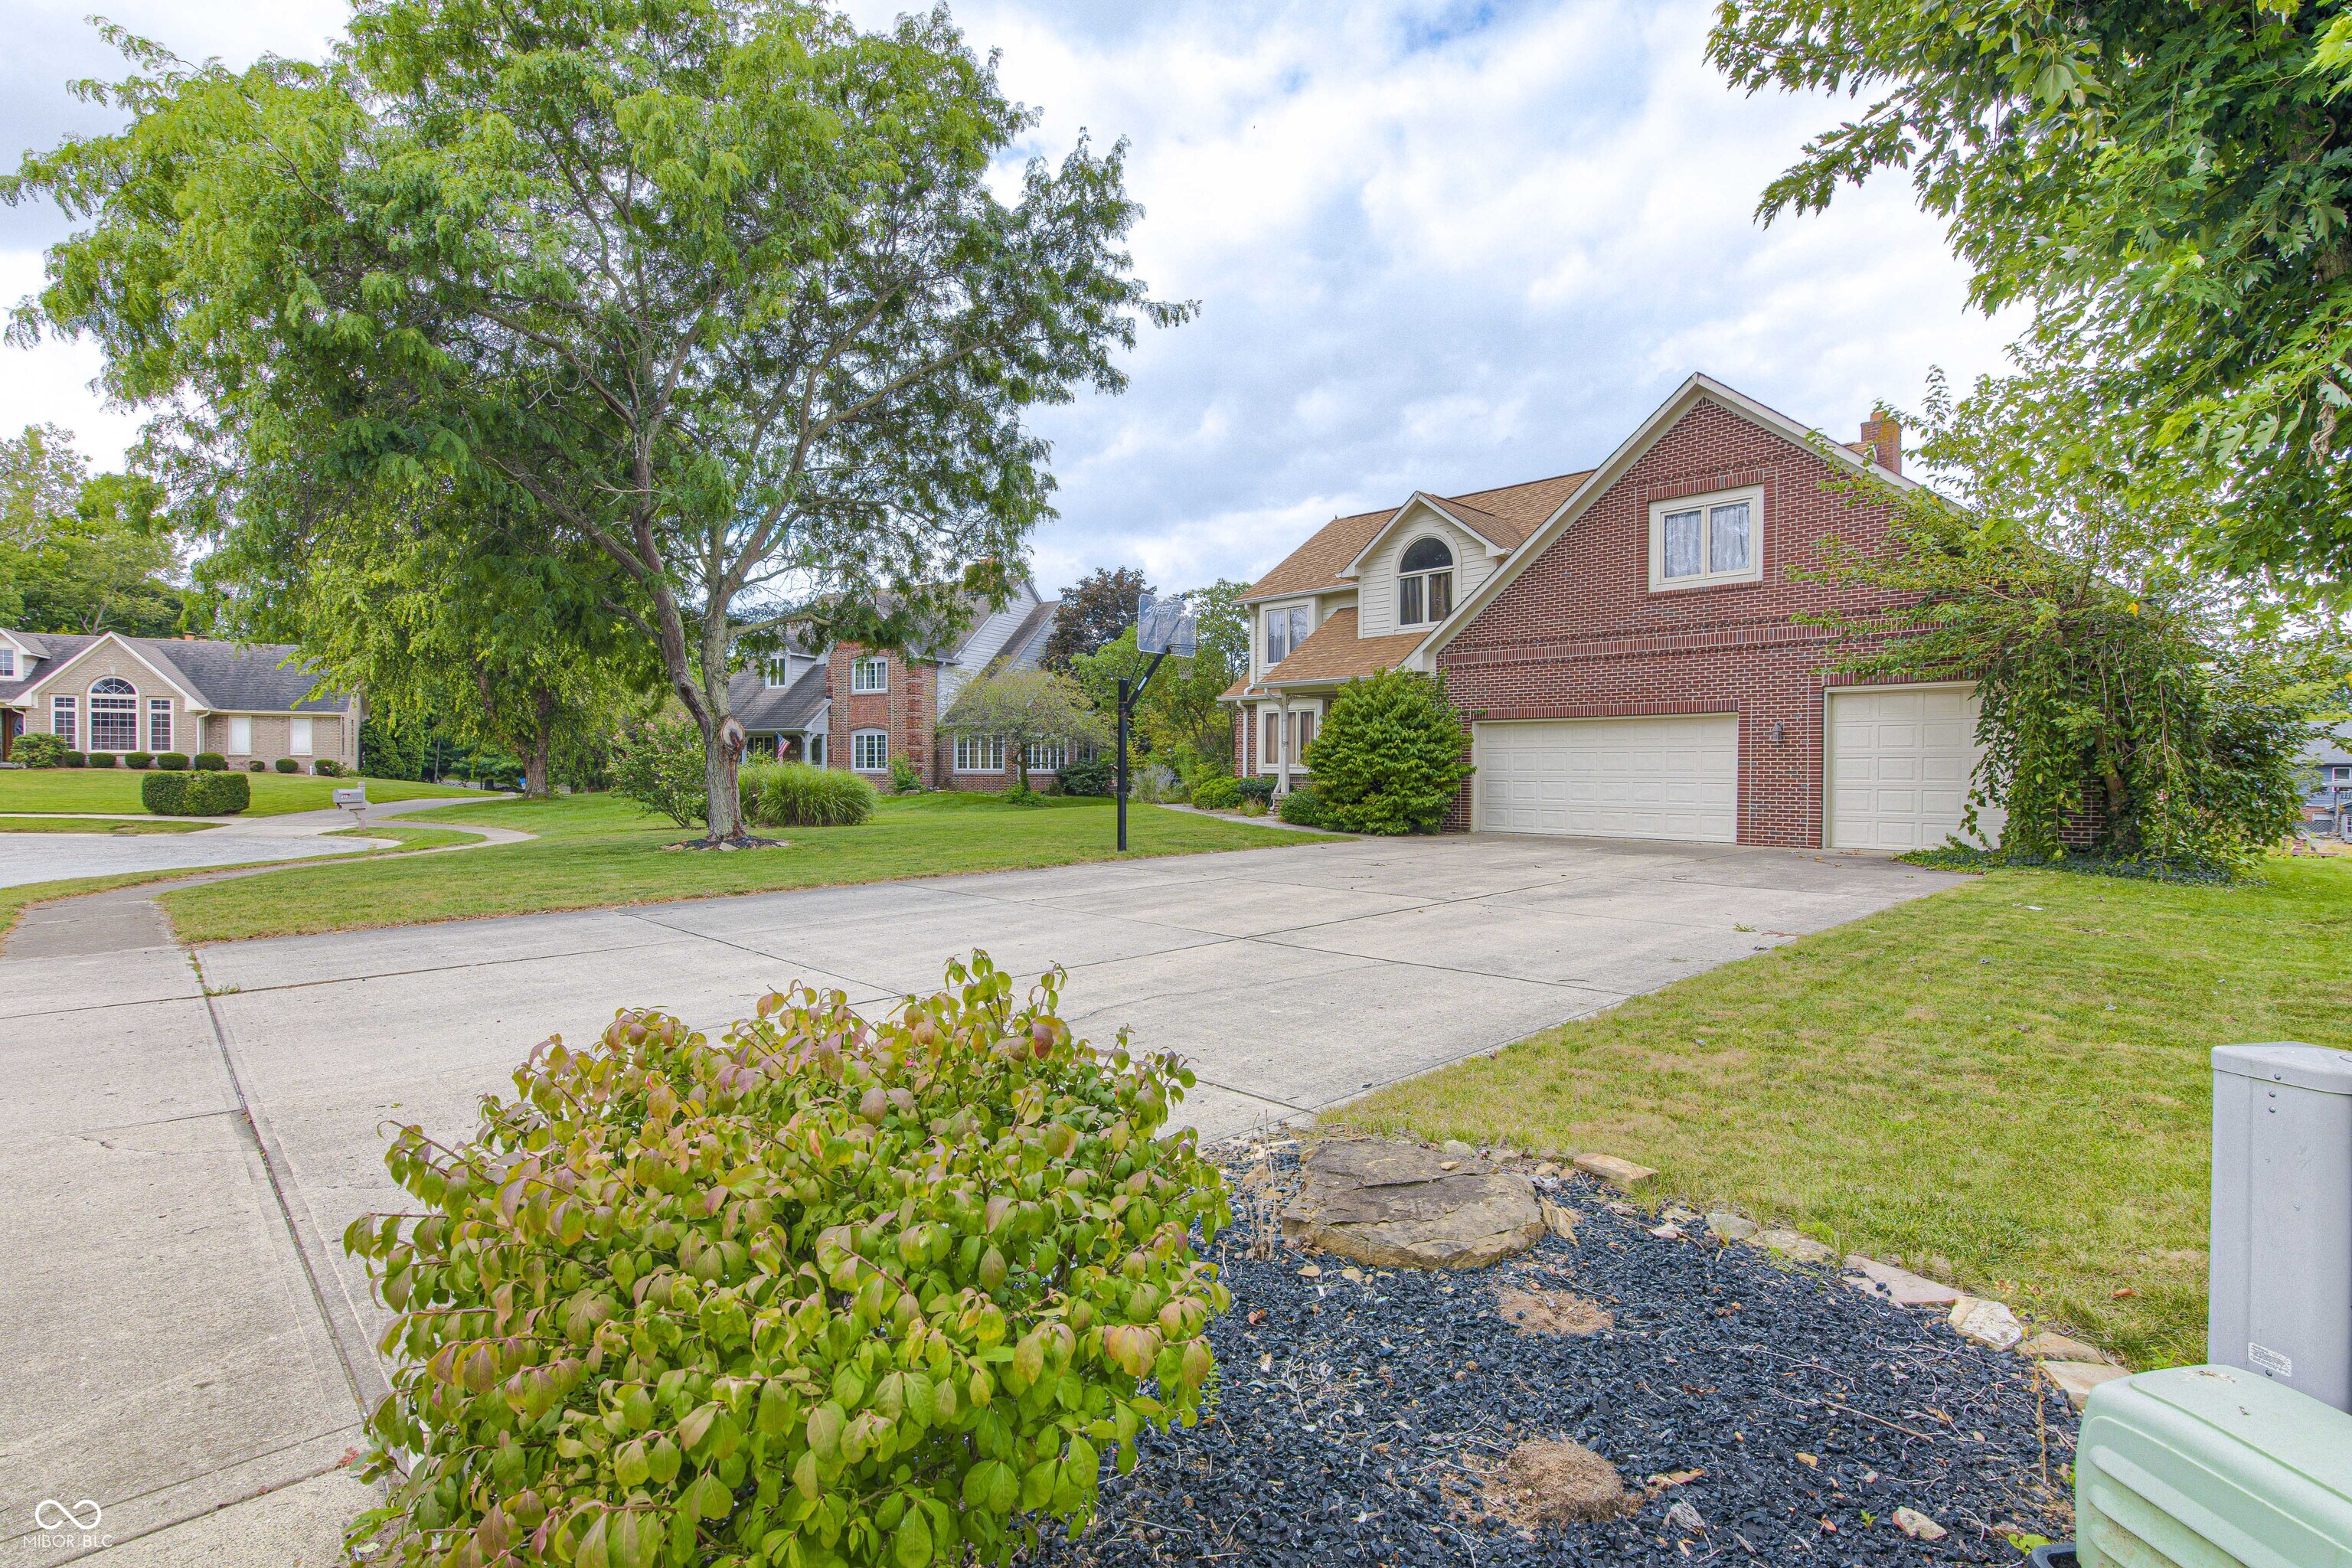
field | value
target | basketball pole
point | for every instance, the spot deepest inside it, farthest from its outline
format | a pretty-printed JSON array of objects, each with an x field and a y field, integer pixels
[{"x": 1127, "y": 697}]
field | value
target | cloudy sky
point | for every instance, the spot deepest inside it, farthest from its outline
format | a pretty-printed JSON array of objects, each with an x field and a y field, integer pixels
[{"x": 1435, "y": 246}]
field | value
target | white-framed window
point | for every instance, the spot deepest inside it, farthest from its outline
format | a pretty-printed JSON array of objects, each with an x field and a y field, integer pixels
[
  {"x": 1273, "y": 734},
  {"x": 240, "y": 736},
  {"x": 1044, "y": 756},
  {"x": 776, "y": 672},
  {"x": 113, "y": 715},
  {"x": 64, "y": 712},
  {"x": 1698, "y": 541},
  {"x": 7, "y": 664},
  {"x": 816, "y": 751},
  {"x": 1424, "y": 582},
  {"x": 869, "y": 674},
  {"x": 979, "y": 753},
  {"x": 869, "y": 751},
  {"x": 297, "y": 736},
  {"x": 1285, "y": 628},
  {"x": 159, "y": 723}
]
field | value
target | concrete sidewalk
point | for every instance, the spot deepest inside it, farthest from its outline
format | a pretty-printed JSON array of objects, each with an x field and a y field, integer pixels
[{"x": 179, "y": 1329}]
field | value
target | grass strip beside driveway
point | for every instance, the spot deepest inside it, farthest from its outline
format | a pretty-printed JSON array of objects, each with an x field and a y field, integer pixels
[
  {"x": 98, "y": 824},
  {"x": 2013, "y": 1076},
  {"x": 117, "y": 790},
  {"x": 596, "y": 851}
]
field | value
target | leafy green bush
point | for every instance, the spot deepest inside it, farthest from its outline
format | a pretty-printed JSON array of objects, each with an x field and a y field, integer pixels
[
  {"x": 794, "y": 795},
  {"x": 283, "y": 766},
  {"x": 73, "y": 760},
  {"x": 39, "y": 750},
  {"x": 1257, "y": 787},
  {"x": 1217, "y": 792},
  {"x": 1303, "y": 806},
  {"x": 257, "y": 766},
  {"x": 210, "y": 761},
  {"x": 821, "y": 1292},
  {"x": 175, "y": 793},
  {"x": 657, "y": 762},
  {"x": 904, "y": 777},
  {"x": 1092, "y": 776},
  {"x": 139, "y": 759},
  {"x": 327, "y": 768},
  {"x": 1391, "y": 754},
  {"x": 175, "y": 761},
  {"x": 101, "y": 759}
]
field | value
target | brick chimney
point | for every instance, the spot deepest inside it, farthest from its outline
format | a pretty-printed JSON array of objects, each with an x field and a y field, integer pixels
[{"x": 1884, "y": 436}]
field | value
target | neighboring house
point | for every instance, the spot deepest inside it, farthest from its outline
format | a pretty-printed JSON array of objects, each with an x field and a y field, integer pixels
[
  {"x": 1624, "y": 640},
  {"x": 113, "y": 693},
  {"x": 2327, "y": 795}
]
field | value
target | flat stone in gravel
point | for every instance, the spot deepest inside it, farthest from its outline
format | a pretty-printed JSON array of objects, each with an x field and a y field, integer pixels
[
  {"x": 1987, "y": 1323},
  {"x": 1793, "y": 1245},
  {"x": 2049, "y": 1346},
  {"x": 1726, "y": 1226},
  {"x": 1899, "y": 1285},
  {"x": 1398, "y": 1206},
  {"x": 2075, "y": 1379},
  {"x": 1614, "y": 1171}
]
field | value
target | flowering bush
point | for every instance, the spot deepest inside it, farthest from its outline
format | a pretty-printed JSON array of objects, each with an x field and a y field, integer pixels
[{"x": 822, "y": 1292}]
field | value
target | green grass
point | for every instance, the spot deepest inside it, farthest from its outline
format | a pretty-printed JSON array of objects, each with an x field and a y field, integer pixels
[
  {"x": 117, "y": 790},
  {"x": 2022, "y": 1090},
  {"x": 97, "y": 824},
  {"x": 596, "y": 850}
]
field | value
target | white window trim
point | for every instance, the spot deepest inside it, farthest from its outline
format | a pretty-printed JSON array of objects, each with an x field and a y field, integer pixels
[
  {"x": 70, "y": 707},
  {"x": 857, "y": 669},
  {"x": 1045, "y": 757},
  {"x": 1453, "y": 568},
  {"x": 233, "y": 748},
  {"x": 161, "y": 706},
  {"x": 1264, "y": 648},
  {"x": 1754, "y": 570},
  {"x": 856, "y": 766},
  {"x": 114, "y": 713},
  {"x": 7, "y": 664},
  {"x": 1272, "y": 765},
  {"x": 306, "y": 727},
  {"x": 979, "y": 748}
]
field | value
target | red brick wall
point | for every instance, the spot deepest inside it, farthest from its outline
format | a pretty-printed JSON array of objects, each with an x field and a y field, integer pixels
[
  {"x": 904, "y": 710},
  {"x": 1579, "y": 635}
]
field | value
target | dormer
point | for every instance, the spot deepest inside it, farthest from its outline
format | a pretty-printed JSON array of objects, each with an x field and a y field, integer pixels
[{"x": 1429, "y": 558}]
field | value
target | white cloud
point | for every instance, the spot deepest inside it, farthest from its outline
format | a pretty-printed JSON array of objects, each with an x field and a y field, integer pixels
[{"x": 1435, "y": 245}]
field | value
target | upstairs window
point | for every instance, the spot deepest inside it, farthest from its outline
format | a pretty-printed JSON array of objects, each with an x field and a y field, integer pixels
[
  {"x": 7, "y": 664},
  {"x": 869, "y": 675},
  {"x": 1285, "y": 628},
  {"x": 1705, "y": 540},
  {"x": 1424, "y": 582},
  {"x": 776, "y": 672}
]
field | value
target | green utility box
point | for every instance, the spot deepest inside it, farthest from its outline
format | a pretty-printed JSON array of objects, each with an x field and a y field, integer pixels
[{"x": 2212, "y": 1467}]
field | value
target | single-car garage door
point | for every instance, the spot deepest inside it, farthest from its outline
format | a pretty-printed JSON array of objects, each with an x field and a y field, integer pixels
[
  {"x": 1612, "y": 778},
  {"x": 1900, "y": 761}
]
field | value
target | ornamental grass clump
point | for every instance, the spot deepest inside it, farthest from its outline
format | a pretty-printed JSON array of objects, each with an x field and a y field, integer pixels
[
  {"x": 822, "y": 1292},
  {"x": 796, "y": 794}
]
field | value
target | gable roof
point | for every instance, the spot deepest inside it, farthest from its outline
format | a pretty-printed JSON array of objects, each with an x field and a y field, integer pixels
[
  {"x": 757, "y": 705},
  {"x": 1502, "y": 517},
  {"x": 215, "y": 676},
  {"x": 1696, "y": 389}
]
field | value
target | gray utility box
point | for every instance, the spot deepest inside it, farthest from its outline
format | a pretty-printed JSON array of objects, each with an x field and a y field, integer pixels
[{"x": 2281, "y": 1300}]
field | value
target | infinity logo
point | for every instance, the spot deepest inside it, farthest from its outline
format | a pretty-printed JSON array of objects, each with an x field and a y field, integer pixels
[{"x": 51, "y": 1514}]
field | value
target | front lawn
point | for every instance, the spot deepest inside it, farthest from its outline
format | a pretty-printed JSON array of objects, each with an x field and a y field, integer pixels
[
  {"x": 117, "y": 790},
  {"x": 2012, "y": 1075},
  {"x": 596, "y": 850}
]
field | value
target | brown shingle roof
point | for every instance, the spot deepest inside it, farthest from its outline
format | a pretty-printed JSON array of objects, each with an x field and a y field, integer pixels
[
  {"x": 1504, "y": 517},
  {"x": 1336, "y": 652}
]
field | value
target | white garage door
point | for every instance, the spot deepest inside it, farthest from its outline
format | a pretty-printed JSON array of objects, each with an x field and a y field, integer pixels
[
  {"x": 1613, "y": 778},
  {"x": 1899, "y": 767}
]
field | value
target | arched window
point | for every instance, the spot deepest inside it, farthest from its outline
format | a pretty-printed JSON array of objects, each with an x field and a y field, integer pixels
[
  {"x": 113, "y": 715},
  {"x": 1424, "y": 582}
]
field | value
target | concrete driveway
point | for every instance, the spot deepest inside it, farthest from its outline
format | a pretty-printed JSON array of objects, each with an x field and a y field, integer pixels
[{"x": 178, "y": 1329}]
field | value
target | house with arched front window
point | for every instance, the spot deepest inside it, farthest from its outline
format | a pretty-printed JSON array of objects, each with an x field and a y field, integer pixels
[{"x": 113, "y": 693}]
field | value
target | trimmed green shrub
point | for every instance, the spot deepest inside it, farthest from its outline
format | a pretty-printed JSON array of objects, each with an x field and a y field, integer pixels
[
  {"x": 1257, "y": 787},
  {"x": 283, "y": 766},
  {"x": 327, "y": 768},
  {"x": 794, "y": 795},
  {"x": 1303, "y": 806},
  {"x": 139, "y": 759},
  {"x": 73, "y": 760},
  {"x": 39, "y": 750},
  {"x": 1094, "y": 776},
  {"x": 210, "y": 761},
  {"x": 820, "y": 1292},
  {"x": 1391, "y": 754},
  {"x": 102, "y": 758},
  {"x": 1217, "y": 792},
  {"x": 257, "y": 766},
  {"x": 195, "y": 795},
  {"x": 176, "y": 761}
]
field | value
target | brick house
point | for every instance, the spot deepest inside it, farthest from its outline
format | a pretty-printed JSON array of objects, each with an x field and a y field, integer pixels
[
  {"x": 1624, "y": 639},
  {"x": 114, "y": 693},
  {"x": 851, "y": 707}
]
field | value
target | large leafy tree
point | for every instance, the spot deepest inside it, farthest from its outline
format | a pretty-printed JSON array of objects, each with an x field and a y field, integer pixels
[
  {"x": 82, "y": 552},
  {"x": 2164, "y": 182},
  {"x": 1093, "y": 612},
  {"x": 722, "y": 287}
]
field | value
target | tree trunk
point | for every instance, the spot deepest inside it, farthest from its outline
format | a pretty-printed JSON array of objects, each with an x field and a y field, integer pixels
[
  {"x": 542, "y": 748},
  {"x": 722, "y": 741}
]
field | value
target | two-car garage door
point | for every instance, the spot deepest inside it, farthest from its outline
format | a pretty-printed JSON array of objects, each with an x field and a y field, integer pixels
[{"x": 1612, "y": 778}]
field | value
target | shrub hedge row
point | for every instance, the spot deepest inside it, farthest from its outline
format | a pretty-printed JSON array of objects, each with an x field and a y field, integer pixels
[{"x": 176, "y": 793}]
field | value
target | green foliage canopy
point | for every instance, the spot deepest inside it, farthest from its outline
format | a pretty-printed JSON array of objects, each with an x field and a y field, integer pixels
[
  {"x": 82, "y": 552},
  {"x": 1093, "y": 611},
  {"x": 2167, "y": 184}
]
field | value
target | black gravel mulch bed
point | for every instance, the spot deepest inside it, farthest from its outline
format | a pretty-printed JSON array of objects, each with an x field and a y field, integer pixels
[{"x": 1356, "y": 1418}]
